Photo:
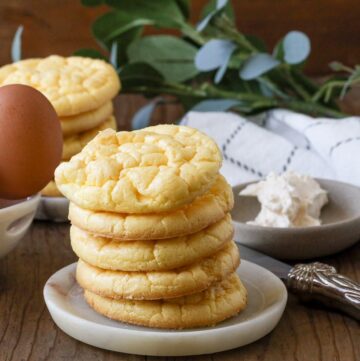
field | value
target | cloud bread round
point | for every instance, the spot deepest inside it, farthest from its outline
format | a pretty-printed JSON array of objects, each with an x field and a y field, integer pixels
[
  {"x": 141, "y": 171},
  {"x": 206, "y": 308},
  {"x": 51, "y": 190},
  {"x": 73, "y": 85},
  {"x": 73, "y": 144},
  {"x": 191, "y": 218},
  {"x": 82, "y": 122},
  {"x": 158, "y": 285},
  {"x": 157, "y": 255}
]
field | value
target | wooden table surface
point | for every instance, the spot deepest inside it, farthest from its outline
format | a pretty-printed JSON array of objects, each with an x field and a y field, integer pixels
[{"x": 27, "y": 331}]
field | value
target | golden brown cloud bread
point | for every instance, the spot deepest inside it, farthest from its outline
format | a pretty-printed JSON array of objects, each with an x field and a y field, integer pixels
[
  {"x": 141, "y": 171},
  {"x": 157, "y": 285},
  {"x": 82, "y": 122},
  {"x": 73, "y": 144},
  {"x": 191, "y": 218},
  {"x": 73, "y": 85},
  {"x": 207, "y": 308},
  {"x": 149, "y": 255}
]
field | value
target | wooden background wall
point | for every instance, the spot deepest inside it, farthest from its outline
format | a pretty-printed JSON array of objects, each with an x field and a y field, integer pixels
[{"x": 62, "y": 26}]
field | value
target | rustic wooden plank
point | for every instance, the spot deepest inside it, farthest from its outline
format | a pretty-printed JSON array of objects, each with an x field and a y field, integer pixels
[{"x": 28, "y": 333}]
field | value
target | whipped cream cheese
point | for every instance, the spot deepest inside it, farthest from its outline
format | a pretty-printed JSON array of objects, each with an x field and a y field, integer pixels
[{"x": 287, "y": 200}]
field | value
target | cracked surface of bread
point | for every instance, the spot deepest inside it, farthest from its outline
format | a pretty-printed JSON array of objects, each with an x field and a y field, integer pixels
[
  {"x": 73, "y": 144},
  {"x": 159, "y": 285},
  {"x": 82, "y": 122},
  {"x": 51, "y": 190},
  {"x": 207, "y": 308},
  {"x": 156, "y": 169},
  {"x": 73, "y": 85},
  {"x": 151, "y": 255},
  {"x": 191, "y": 218}
]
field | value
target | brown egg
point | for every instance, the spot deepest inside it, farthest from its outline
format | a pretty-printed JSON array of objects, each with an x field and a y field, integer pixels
[{"x": 30, "y": 141}]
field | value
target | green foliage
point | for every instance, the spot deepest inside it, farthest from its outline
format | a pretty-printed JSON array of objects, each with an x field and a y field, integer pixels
[
  {"x": 184, "y": 6},
  {"x": 230, "y": 65},
  {"x": 162, "y": 13},
  {"x": 92, "y": 3},
  {"x": 139, "y": 74},
  {"x": 110, "y": 26},
  {"x": 90, "y": 53},
  {"x": 169, "y": 55}
]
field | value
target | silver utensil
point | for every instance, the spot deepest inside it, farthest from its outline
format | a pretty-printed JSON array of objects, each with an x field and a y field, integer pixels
[{"x": 312, "y": 281}]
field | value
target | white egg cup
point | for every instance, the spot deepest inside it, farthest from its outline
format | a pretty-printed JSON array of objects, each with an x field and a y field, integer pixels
[
  {"x": 15, "y": 219},
  {"x": 54, "y": 209}
]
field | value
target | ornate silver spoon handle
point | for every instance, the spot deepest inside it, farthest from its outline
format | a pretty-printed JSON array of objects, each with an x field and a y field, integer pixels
[{"x": 321, "y": 282}]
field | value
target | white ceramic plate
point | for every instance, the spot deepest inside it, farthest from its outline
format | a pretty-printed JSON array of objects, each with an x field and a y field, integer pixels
[
  {"x": 67, "y": 306},
  {"x": 55, "y": 209}
]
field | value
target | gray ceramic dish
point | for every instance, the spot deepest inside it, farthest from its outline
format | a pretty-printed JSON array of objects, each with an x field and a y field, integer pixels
[{"x": 340, "y": 225}]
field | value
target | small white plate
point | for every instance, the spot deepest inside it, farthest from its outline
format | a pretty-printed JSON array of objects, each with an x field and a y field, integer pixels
[
  {"x": 266, "y": 302},
  {"x": 55, "y": 209}
]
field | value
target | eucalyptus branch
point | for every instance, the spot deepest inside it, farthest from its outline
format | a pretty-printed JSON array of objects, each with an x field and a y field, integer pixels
[
  {"x": 224, "y": 24},
  {"x": 326, "y": 90},
  {"x": 190, "y": 32},
  {"x": 294, "y": 84},
  {"x": 213, "y": 60},
  {"x": 208, "y": 91},
  {"x": 313, "y": 109},
  {"x": 273, "y": 87}
]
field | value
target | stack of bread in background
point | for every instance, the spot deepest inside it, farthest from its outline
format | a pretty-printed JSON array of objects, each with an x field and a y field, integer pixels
[
  {"x": 151, "y": 226},
  {"x": 81, "y": 91}
]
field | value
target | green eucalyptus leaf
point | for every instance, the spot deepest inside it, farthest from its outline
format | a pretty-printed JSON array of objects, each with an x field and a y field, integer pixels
[
  {"x": 215, "y": 54},
  {"x": 110, "y": 26},
  {"x": 124, "y": 40},
  {"x": 16, "y": 45},
  {"x": 265, "y": 90},
  {"x": 92, "y": 3},
  {"x": 184, "y": 6},
  {"x": 113, "y": 58},
  {"x": 163, "y": 13},
  {"x": 139, "y": 74},
  {"x": 169, "y": 55},
  {"x": 89, "y": 53},
  {"x": 142, "y": 117},
  {"x": 296, "y": 46},
  {"x": 293, "y": 49},
  {"x": 215, "y": 105},
  {"x": 257, "y": 65},
  {"x": 278, "y": 52}
]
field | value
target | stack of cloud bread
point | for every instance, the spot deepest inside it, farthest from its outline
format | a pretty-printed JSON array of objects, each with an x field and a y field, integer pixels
[
  {"x": 151, "y": 226},
  {"x": 81, "y": 91}
]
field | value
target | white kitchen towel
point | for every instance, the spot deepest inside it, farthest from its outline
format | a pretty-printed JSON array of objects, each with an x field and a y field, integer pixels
[{"x": 281, "y": 140}]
